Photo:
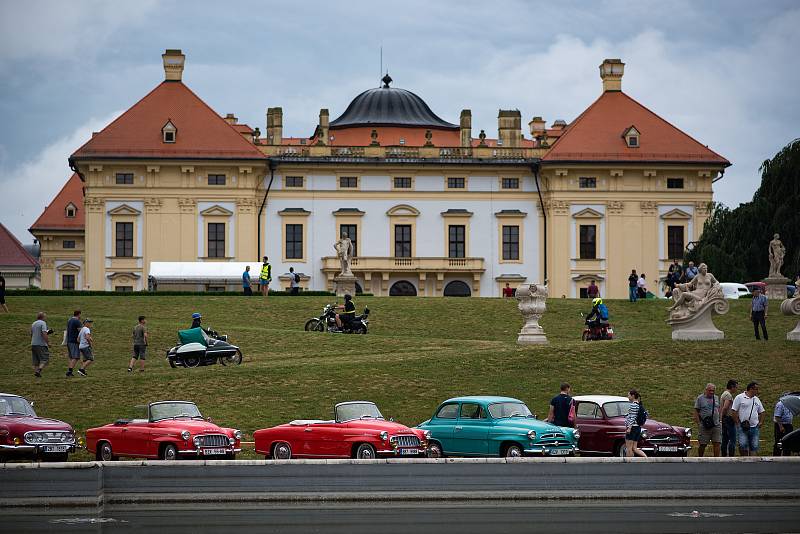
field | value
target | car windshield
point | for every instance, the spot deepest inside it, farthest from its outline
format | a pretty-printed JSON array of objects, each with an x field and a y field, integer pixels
[
  {"x": 173, "y": 410},
  {"x": 357, "y": 410},
  {"x": 15, "y": 406},
  {"x": 509, "y": 409},
  {"x": 616, "y": 408}
]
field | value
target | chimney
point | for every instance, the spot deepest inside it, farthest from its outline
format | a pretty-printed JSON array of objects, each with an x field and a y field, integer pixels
[
  {"x": 274, "y": 126},
  {"x": 324, "y": 122},
  {"x": 611, "y": 72},
  {"x": 466, "y": 128},
  {"x": 230, "y": 118},
  {"x": 560, "y": 124},
  {"x": 537, "y": 126},
  {"x": 509, "y": 127},
  {"x": 173, "y": 65}
]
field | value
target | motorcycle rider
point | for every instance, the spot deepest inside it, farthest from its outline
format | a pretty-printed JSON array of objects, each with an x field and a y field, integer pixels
[
  {"x": 196, "y": 322},
  {"x": 346, "y": 317},
  {"x": 599, "y": 314}
]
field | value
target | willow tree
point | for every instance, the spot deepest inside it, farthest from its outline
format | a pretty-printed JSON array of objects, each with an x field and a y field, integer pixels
[{"x": 734, "y": 241}]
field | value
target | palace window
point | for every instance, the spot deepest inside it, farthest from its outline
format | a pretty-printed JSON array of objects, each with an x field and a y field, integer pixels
[
  {"x": 294, "y": 241},
  {"x": 674, "y": 183},
  {"x": 510, "y": 242},
  {"x": 633, "y": 141},
  {"x": 68, "y": 282},
  {"x": 124, "y": 289},
  {"x": 456, "y": 240},
  {"x": 216, "y": 179},
  {"x": 402, "y": 241},
  {"x": 456, "y": 183},
  {"x": 124, "y": 178},
  {"x": 124, "y": 236},
  {"x": 169, "y": 132},
  {"x": 675, "y": 244},
  {"x": 588, "y": 242},
  {"x": 68, "y": 243},
  {"x": 351, "y": 231},
  {"x": 294, "y": 181},
  {"x": 216, "y": 240},
  {"x": 510, "y": 183},
  {"x": 585, "y": 182},
  {"x": 348, "y": 182},
  {"x": 402, "y": 182},
  {"x": 71, "y": 211}
]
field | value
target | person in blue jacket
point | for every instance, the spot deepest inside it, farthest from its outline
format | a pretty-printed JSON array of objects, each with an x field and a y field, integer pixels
[{"x": 599, "y": 313}]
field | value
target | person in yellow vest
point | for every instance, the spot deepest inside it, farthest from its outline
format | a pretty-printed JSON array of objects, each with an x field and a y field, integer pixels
[{"x": 265, "y": 277}]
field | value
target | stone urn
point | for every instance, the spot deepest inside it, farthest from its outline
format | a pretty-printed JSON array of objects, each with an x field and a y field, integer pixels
[
  {"x": 792, "y": 307},
  {"x": 531, "y": 305}
]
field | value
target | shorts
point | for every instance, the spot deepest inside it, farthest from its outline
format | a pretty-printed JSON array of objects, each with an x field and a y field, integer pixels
[
  {"x": 706, "y": 435},
  {"x": 2, "y": 298},
  {"x": 748, "y": 439},
  {"x": 140, "y": 352},
  {"x": 87, "y": 354},
  {"x": 40, "y": 354},
  {"x": 264, "y": 282},
  {"x": 634, "y": 434},
  {"x": 73, "y": 351}
]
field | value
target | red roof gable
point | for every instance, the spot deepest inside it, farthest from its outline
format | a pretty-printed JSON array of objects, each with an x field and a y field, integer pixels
[
  {"x": 597, "y": 135},
  {"x": 12, "y": 253},
  {"x": 201, "y": 133},
  {"x": 54, "y": 216}
]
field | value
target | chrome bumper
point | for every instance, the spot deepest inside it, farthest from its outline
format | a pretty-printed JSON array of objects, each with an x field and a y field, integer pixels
[
  {"x": 199, "y": 452},
  {"x": 31, "y": 448},
  {"x": 656, "y": 449},
  {"x": 544, "y": 449},
  {"x": 396, "y": 452}
]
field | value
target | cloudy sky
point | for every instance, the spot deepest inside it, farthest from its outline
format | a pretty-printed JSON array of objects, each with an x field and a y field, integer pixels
[{"x": 726, "y": 72}]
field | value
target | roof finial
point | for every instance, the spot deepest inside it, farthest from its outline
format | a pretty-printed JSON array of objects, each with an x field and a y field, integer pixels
[{"x": 386, "y": 80}]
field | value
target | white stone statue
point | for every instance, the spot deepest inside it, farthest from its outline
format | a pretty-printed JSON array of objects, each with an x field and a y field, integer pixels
[
  {"x": 344, "y": 249},
  {"x": 776, "y": 253},
  {"x": 690, "y": 314},
  {"x": 531, "y": 304}
]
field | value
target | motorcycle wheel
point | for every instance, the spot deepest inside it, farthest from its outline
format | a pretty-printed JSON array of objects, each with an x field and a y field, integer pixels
[
  {"x": 312, "y": 325},
  {"x": 235, "y": 358},
  {"x": 171, "y": 363},
  {"x": 363, "y": 330},
  {"x": 191, "y": 361}
]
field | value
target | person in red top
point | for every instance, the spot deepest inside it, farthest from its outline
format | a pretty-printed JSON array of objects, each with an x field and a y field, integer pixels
[
  {"x": 593, "y": 291},
  {"x": 508, "y": 291}
]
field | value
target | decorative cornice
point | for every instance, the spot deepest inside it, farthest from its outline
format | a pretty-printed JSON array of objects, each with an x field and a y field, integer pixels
[
  {"x": 615, "y": 207},
  {"x": 187, "y": 205},
  {"x": 702, "y": 208},
  {"x": 152, "y": 204},
  {"x": 557, "y": 207},
  {"x": 648, "y": 207},
  {"x": 246, "y": 204},
  {"x": 94, "y": 204}
]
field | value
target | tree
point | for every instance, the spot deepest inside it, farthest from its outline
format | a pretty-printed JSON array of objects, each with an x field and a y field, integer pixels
[{"x": 734, "y": 241}]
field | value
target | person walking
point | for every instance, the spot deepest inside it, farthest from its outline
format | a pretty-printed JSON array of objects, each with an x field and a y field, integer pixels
[
  {"x": 265, "y": 277},
  {"x": 74, "y": 326},
  {"x": 636, "y": 417},
  {"x": 758, "y": 312},
  {"x": 40, "y": 344},
  {"x": 139, "y": 344},
  {"x": 3, "y": 293},
  {"x": 561, "y": 407},
  {"x": 508, "y": 291},
  {"x": 294, "y": 282},
  {"x": 641, "y": 286},
  {"x": 86, "y": 346},
  {"x": 728, "y": 426},
  {"x": 782, "y": 417},
  {"x": 706, "y": 416},
  {"x": 248, "y": 291},
  {"x": 633, "y": 280},
  {"x": 748, "y": 415},
  {"x": 593, "y": 291}
]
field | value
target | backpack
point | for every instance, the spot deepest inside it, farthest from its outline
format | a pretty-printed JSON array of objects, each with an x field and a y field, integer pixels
[
  {"x": 296, "y": 277},
  {"x": 641, "y": 415},
  {"x": 603, "y": 312}
]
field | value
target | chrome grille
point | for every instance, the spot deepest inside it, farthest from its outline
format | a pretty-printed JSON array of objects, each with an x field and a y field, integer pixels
[
  {"x": 406, "y": 441},
  {"x": 552, "y": 436},
  {"x": 214, "y": 440},
  {"x": 663, "y": 439},
  {"x": 49, "y": 437}
]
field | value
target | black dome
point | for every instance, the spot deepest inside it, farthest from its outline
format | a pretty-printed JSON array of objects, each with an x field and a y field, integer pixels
[{"x": 390, "y": 106}]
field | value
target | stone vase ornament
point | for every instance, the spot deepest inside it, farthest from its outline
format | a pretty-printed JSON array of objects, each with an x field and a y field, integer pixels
[
  {"x": 531, "y": 305},
  {"x": 694, "y": 304},
  {"x": 792, "y": 307}
]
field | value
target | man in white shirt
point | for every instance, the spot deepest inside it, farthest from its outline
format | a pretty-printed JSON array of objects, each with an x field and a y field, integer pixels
[
  {"x": 641, "y": 286},
  {"x": 748, "y": 416},
  {"x": 85, "y": 346}
]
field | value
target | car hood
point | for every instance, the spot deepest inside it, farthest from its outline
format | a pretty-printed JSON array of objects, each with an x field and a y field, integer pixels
[
  {"x": 195, "y": 427},
  {"x": 376, "y": 424},
  {"x": 20, "y": 423},
  {"x": 526, "y": 424},
  {"x": 651, "y": 425}
]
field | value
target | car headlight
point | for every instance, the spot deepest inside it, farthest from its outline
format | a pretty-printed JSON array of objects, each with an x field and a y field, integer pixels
[
  {"x": 237, "y": 434},
  {"x": 17, "y": 441},
  {"x": 384, "y": 435},
  {"x": 197, "y": 441},
  {"x": 186, "y": 435},
  {"x": 427, "y": 434},
  {"x": 689, "y": 433},
  {"x": 231, "y": 441},
  {"x": 531, "y": 435},
  {"x": 81, "y": 442},
  {"x": 576, "y": 433}
]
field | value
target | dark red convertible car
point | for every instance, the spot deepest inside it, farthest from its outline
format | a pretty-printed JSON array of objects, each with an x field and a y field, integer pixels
[
  {"x": 358, "y": 430},
  {"x": 23, "y": 434},
  {"x": 169, "y": 430},
  {"x": 601, "y": 420}
]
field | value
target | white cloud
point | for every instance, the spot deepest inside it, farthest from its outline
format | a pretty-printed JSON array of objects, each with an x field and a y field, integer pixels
[{"x": 28, "y": 188}]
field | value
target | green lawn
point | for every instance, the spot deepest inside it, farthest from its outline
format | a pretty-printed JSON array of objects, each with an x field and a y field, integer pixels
[{"x": 418, "y": 353}]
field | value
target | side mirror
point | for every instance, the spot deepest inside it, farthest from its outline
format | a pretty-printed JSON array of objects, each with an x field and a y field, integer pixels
[
  {"x": 32, "y": 403},
  {"x": 209, "y": 420},
  {"x": 391, "y": 419}
]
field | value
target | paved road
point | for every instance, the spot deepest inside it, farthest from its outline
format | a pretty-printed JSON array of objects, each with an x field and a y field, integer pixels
[{"x": 638, "y": 516}]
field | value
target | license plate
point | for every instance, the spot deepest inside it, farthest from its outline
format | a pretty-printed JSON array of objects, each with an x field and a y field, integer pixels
[
  {"x": 559, "y": 452},
  {"x": 408, "y": 452},
  {"x": 668, "y": 449},
  {"x": 214, "y": 451},
  {"x": 56, "y": 448}
]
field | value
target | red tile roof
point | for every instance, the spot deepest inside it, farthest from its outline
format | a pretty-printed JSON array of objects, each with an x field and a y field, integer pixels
[
  {"x": 54, "y": 216},
  {"x": 202, "y": 133},
  {"x": 12, "y": 253},
  {"x": 596, "y": 135}
]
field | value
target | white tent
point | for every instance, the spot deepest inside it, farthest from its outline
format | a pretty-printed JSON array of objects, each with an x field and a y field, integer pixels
[{"x": 203, "y": 273}]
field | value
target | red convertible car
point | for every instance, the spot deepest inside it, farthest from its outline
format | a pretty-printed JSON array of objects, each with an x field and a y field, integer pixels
[
  {"x": 601, "y": 420},
  {"x": 24, "y": 434},
  {"x": 358, "y": 430},
  {"x": 169, "y": 430}
]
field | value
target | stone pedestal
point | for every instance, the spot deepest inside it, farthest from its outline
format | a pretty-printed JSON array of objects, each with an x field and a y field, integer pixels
[
  {"x": 776, "y": 287},
  {"x": 697, "y": 325},
  {"x": 792, "y": 307},
  {"x": 344, "y": 284},
  {"x": 531, "y": 305}
]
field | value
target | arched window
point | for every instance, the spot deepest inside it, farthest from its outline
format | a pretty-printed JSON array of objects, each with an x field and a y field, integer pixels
[
  {"x": 403, "y": 289},
  {"x": 457, "y": 288}
]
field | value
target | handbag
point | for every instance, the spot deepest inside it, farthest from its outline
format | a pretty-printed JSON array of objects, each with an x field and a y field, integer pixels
[
  {"x": 571, "y": 414},
  {"x": 708, "y": 421},
  {"x": 745, "y": 425}
]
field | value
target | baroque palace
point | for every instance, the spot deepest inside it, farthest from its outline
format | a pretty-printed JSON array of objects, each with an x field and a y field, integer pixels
[{"x": 432, "y": 209}]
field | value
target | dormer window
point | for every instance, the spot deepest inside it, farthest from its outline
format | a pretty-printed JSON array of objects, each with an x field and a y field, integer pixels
[
  {"x": 402, "y": 140},
  {"x": 631, "y": 136},
  {"x": 169, "y": 132},
  {"x": 71, "y": 211}
]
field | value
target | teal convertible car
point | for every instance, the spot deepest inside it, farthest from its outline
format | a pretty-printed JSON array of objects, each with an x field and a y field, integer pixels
[{"x": 494, "y": 426}]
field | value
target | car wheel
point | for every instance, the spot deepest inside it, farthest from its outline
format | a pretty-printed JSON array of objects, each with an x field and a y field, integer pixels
[
  {"x": 435, "y": 450},
  {"x": 281, "y": 451},
  {"x": 619, "y": 449},
  {"x": 365, "y": 451},
  {"x": 513, "y": 451},
  {"x": 169, "y": 453},
  {"x": 104, "y": 452},
  {"x": 191, "y": 361}
]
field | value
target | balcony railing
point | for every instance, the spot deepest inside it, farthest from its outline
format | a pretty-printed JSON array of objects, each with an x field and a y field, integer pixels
[
  {"x": 391, "y": 263},
  {"x": 403, "y": 152}
]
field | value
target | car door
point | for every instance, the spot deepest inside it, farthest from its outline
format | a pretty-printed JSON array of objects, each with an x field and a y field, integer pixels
[
  {"x": 471, "y": 431},
  {"x": 589, "y": 420},
  {"x": 325, "y": 440},
  {"x": 136, "y": 436},
  {"x": 442, "y": 424}
]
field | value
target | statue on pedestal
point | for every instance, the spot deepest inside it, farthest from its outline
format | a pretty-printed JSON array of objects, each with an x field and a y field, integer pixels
[
  {"x": 690, "y": 314},
  {"x": 776, "y": 253},
  {"x": 344, "y": 282},
  {"x": 531, "y": 299}
]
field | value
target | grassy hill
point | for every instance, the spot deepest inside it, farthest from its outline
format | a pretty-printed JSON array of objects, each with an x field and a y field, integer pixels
[{"x": 418, "y": 353}]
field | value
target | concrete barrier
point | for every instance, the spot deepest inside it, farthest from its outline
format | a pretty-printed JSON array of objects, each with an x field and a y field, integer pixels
[{"x": 96, "y": 483}]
